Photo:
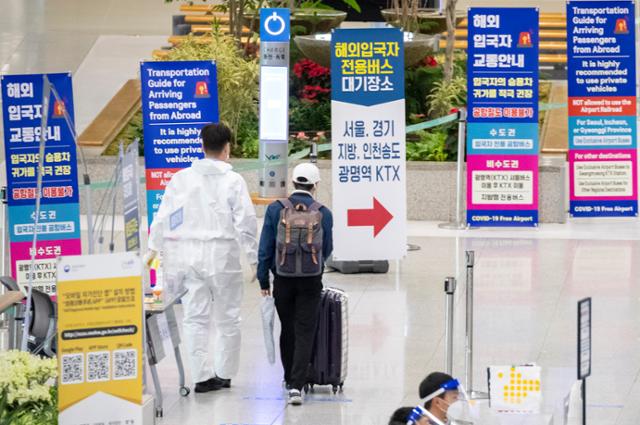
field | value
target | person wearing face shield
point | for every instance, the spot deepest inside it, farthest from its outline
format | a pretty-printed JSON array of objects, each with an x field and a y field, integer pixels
[
  {"x": 204, "y": 221},
  {"x": 412, "y": 416},
  {"x": 438, "y": 391}
]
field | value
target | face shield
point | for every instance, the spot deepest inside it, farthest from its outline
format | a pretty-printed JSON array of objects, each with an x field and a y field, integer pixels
[
  {"x": 452, "y": 385},
  {"x": 418, "y": 413},
  {"x": 454, "y": 395}
]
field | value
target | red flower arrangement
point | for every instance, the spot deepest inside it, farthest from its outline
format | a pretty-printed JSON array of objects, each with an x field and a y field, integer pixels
[
  {"x": 312, "y": 82},
  {"x": 429, "y": 61}
]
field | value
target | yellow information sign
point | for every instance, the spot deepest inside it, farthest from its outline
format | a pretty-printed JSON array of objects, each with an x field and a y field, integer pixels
[{"x": 100, "y": 339}]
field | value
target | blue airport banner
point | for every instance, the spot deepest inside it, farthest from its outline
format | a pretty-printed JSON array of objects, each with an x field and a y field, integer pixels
[
  {"x": 502, "y": 134},
  {"x": 59, "y": 220},
  {"x": 178, "y": 99},
  {"x": 503, "y": 65},
  {"x": 601, "y": 73}
]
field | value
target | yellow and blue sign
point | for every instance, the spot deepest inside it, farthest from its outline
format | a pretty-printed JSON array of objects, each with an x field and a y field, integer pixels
[{"x": 368, "y": 148}]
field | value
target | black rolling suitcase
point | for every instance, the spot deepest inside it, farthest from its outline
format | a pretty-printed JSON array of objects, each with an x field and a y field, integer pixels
[{"x": 330, "y": 352}]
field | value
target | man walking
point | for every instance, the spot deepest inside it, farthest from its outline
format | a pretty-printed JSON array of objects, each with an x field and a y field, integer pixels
[
  {"x": 206, "y": 217},
  {"x": 296, "y": 238}
]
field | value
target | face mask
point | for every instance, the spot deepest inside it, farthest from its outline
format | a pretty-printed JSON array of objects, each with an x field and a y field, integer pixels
[{"x": 459, "y": 413}]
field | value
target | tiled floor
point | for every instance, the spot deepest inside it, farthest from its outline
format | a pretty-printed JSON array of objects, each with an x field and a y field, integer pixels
[
  {"x": 527, "y": 282},
  {"x": 526, "y": 293}
]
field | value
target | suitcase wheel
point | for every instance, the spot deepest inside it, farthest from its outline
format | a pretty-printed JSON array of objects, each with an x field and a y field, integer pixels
[
  {"x": 335, "y": 389},
  {"x": 341, "y": 388}
]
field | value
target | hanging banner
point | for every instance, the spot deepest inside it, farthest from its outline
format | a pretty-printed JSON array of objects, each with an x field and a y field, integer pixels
[
  {"x": 603, "y": 156},
  {"x": 368, "y": 149},
  {"x": 178, "y": 99},
  {"x": 130, "y": 191},
  {"x": 100, "y": 328},
  {"x": 502, "y": 136},
  {"x": 58, "y": 230}
]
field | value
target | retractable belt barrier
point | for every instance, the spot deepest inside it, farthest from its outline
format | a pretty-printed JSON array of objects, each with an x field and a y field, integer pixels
[{"x": 255, "y": 165}]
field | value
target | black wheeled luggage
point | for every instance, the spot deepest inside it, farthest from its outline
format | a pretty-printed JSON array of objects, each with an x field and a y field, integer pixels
[{"x": 330, "y": 353}]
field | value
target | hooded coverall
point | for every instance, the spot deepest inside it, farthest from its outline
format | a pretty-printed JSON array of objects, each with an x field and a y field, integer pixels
[{"x": 205, "y": 217}]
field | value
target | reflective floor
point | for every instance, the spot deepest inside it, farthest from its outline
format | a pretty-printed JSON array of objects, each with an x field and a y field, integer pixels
[
  {"x": 525, "y": 310},
  {"x": 527, "y": 282}
]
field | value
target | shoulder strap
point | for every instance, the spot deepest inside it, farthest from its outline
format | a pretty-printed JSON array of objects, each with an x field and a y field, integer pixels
[
  {"x": 286, "y": 203},
  {"x": 315, "y": 206}
]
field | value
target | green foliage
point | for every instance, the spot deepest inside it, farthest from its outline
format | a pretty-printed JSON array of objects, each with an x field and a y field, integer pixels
[
  {"x": 237, "y": 74},
  {"x": 419, "y": 82},
  {"x": 308, "y": 116},
  {"x": 430, "y": 146},
  {"x": 129, "y": 133},
  {"x": 445, "y": 96},
  {"x": 247, "y": 137}
]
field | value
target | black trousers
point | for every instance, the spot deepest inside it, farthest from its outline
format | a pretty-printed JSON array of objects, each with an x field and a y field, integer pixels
[{"x": 297, "y": 301}]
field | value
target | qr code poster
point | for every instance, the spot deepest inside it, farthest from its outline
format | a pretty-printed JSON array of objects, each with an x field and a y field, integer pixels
[
  {"x": 100, "y": 323},
  {"x": 515, "y": 389}
]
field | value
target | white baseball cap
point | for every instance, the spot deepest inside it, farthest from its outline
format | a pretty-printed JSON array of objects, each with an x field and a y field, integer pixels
[{"x": 306, "y": 173}]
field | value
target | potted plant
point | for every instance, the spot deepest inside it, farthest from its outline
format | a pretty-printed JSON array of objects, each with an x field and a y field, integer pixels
[
  {"x": 307, "y": 17},
  {"x": 408, "y": 15}
]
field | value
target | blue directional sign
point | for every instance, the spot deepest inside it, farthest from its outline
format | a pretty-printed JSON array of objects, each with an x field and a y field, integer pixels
[{"x": 274, "y": 24}]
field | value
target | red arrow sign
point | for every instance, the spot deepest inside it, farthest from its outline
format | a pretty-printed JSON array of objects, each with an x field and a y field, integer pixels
[{"x": 378, "y": 217}]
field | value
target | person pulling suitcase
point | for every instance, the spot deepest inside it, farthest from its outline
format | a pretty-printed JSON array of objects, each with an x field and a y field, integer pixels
[{"x": 297, "y": 237}]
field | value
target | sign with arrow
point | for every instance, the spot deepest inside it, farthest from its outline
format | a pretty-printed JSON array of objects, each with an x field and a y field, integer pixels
[{"x": 368, "y": 149}]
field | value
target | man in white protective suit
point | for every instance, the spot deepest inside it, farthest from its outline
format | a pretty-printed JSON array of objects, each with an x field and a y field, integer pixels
[{"x": 206, "y": 217}]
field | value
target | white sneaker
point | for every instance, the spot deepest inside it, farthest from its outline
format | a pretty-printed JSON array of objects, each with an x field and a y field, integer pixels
[{"x": 295, "y": 398}]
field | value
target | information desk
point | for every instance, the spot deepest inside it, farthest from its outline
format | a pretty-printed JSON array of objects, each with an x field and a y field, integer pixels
[{"x": 155, "y": 346}]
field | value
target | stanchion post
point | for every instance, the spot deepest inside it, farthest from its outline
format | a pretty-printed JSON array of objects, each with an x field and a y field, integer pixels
[
  {"x": 470, "y": 262},
  {"x": 313, "y": 153},
  {"x": 449, "y": 289},
  {"x": 459, "y": 223},
  {"x": 87, "y": 188},
  {"x": 468, "y": 349},
  {"x": 5, "y": 230}
]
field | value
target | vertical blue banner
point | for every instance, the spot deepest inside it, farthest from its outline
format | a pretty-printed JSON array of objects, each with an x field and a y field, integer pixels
[
  {"x": 178, "y": 99},
  {"x": 502, "y": 136},
  {"x": 601, "y": 72},
  {"x": 59, "y": 221}
]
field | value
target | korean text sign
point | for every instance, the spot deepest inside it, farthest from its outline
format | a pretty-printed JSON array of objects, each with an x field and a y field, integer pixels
[
  {"x": 130, "y": 190},
  {"x": 59, "y": 222},
  {"x": 502, "y": 137},
  {"x": 178, "y": 99},
  {"x": 602, "y": 109},
  {"x": 100, "y": 339},
  {"x": 368, "y": 131}
]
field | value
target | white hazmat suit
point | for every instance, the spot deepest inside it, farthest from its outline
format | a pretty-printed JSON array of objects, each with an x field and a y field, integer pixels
[{"x": 205, "y": 217}]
